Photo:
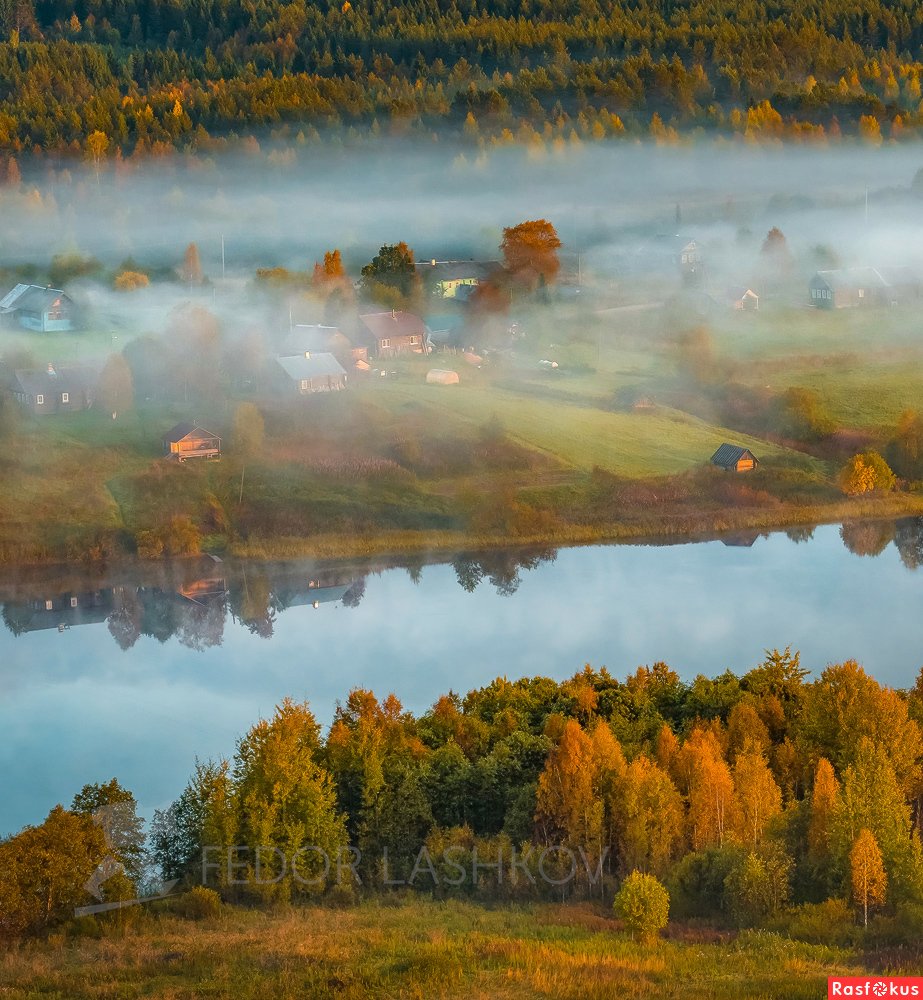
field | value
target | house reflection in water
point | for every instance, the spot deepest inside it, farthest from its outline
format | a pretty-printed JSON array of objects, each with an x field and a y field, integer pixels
[
  {"x": 61, "y": 612},
  {"x": 322, "y": 590}
]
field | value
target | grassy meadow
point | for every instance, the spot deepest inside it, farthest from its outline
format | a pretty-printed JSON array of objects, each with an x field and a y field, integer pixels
[
  {"x": 414, "y": 949},
  {"x": 394, "y": 464}
]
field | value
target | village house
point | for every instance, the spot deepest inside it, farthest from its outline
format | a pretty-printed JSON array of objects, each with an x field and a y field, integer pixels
[
  {"x": 451, "y": 279},
  {"x": 34, "y": 307},
  {"x": 859, "y": 287},
  {"x": 743, "y": 299},
  {"x": 733, "y": 458},
  {"x": 663, "y": 254},
  {"x": 187, "y": 440},
  {"x": 55, "y": 390},
  {"x": 304, "y": 338},
  {"x": 396, "y": 332},
  {"x": 307, "y": 373}
]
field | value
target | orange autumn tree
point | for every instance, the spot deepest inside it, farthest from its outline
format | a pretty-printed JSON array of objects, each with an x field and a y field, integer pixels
[{"x": 530, "y": 253}]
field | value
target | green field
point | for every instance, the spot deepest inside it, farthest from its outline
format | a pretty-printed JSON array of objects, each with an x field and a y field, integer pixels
[
  {"x": 416, "y": 949},
  {"x": 394, "y": 463}
]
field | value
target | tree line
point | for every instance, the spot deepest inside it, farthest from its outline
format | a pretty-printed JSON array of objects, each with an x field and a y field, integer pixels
[
  {"x": 753, "y": 799},
  {"x": 156, "y": 75}
]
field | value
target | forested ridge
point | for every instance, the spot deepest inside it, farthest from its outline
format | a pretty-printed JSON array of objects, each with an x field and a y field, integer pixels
[{"x": 155, "y": 75}]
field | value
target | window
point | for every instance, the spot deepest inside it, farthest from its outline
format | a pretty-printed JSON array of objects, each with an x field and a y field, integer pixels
[
  {"x": 813, "y": 293},
  {"x": 414, "y": 340},
  {"x": 65, "y": 397},
  {"x": 303, "y": 385},
  {"x": 385, "y": 343},
  {"x": 73, "y": 602},
  {"x": 861, "y": 293},
  {"x": 40, "y": 400},
  {"x": 49, "y": 605}
]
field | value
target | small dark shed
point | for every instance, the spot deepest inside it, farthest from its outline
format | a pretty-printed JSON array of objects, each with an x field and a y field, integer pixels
[{"x": 733, "y": 458}]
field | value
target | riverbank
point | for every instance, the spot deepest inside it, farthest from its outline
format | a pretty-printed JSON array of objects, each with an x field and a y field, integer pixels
[{"x": 416, "y": 949}]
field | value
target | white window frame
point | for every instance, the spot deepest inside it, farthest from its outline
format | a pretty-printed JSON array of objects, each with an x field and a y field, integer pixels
[
  {"x": 73, "y": 602},
  {"x": 39, "y": 400},
  {"x": 65, "y": 397},
  {"x": 49, "y": 605},
  {"x": 304, "y": 384},
  {"x": 861, "y": 293},
  {"x": 414, "y": 339},
  {"x": 385, "y": 343}
]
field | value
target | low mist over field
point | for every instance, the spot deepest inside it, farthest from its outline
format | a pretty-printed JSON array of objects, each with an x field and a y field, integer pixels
[{"x": 448, "y": 205}]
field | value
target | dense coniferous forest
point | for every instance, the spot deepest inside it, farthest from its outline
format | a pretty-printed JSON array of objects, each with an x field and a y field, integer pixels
[{"x": 153, "y": 75}]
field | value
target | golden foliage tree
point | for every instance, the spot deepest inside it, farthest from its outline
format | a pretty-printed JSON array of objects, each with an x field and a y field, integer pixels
[
  {"x": 824, "y": 798},
  {"x": 865, "y": 473},
  {"x": 867, "y": 873},
  {"x": 758, "y": 797},
  {"x": 567, "y": 809},
  {"x": 651, "y": 818},
  {"x": 711, "y": 790}
]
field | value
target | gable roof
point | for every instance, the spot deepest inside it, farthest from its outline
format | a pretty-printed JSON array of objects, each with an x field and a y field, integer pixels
[
  {"x": 456, "y": 270},
  {"x": 37, "y": 381},
  {"x": 728, "y": 455},
  {"x": 393, "y": 324},
  {"x": 869, "y": 277},
  {"x": 35, "y": 298},
  {"x": 310, "y": 337},
  {"x": 184, "y": 430},
  {"x": 311, "y": 366},
  {"x": 7, "y": 303}
]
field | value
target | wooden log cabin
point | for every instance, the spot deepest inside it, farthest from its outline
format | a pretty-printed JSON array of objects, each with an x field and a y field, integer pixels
[
  {"x": 733, "y": 458},
  {"x": 191, "y": 441}
]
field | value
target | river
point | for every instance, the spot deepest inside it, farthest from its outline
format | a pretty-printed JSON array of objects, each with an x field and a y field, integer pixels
[{"x": 135, "y": 677}]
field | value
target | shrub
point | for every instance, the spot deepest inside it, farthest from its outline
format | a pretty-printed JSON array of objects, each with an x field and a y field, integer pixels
[
  {"x": 864, "y": 473},
  {"x": 830, "y": 923},
  {"x": 199, "y": 903},
  {"x": 149, "y": 544},
  {"x": 130, "y": 281},
  {"x": 643, "y": 904}
]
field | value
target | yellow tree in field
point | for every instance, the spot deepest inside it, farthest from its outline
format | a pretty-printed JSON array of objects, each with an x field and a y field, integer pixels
[{"x": 869, "y": 881}]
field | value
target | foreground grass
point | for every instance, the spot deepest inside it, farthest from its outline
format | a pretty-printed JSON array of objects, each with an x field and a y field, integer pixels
[{"x": 416, "y": 950}]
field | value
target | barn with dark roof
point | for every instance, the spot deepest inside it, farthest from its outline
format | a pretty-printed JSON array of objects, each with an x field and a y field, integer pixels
[{"x": 734, "y": 458}]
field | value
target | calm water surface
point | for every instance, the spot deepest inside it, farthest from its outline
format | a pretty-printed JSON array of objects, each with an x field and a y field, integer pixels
[{"x": 85, "y": 694}]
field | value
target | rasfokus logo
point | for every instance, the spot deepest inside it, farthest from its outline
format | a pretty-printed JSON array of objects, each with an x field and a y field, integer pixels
[{"x": 875, "y": 986}]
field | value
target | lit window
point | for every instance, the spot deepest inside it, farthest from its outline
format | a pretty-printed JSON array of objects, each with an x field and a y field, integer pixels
[
  {"x": 40, "y": 400},
  {"x": 49, "y": 605}
]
